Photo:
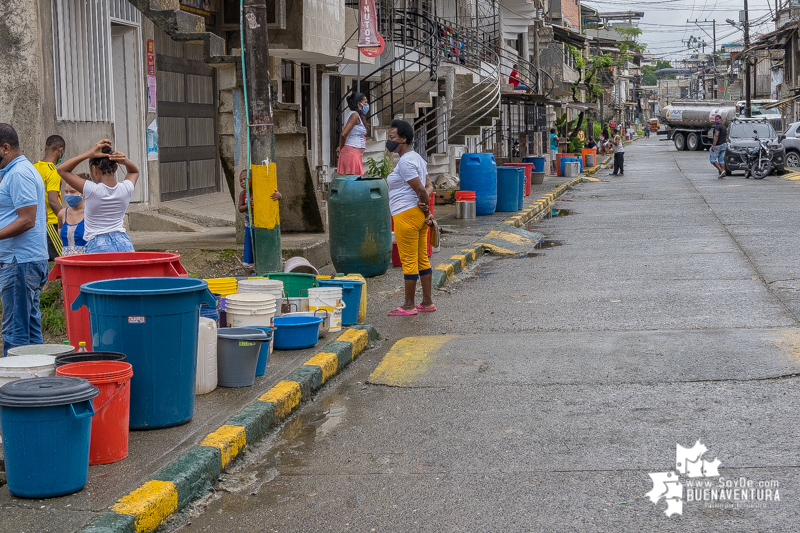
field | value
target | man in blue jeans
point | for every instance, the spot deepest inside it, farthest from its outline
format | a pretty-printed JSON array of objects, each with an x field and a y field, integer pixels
[{"x": 23, "y": 244}]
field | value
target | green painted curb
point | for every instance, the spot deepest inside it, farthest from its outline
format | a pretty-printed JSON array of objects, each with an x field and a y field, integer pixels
[
  {"x": 256, "y": 419},
  {"x": 309, "y": 377},
  {"x": 111, "y": 523},
  {"x": 193, "y": 473},
  {"x": 343, "y": 351}
]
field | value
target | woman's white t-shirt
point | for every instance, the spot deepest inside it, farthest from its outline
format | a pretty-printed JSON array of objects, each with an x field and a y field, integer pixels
[
  {"x": 105, "y": 207},
  {"x": 357, "y": 136},
  {"x": 401, "y": 196}
]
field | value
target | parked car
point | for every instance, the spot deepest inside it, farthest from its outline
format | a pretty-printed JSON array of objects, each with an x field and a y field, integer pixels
[
  {"x": 741, "y": 135},
  {"x": 791, "y": 143}
]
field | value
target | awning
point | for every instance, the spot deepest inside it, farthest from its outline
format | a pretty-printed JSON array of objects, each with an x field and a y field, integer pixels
[
  {"x": 782, "y": 103},
  {"x": 567, "y": 36}
]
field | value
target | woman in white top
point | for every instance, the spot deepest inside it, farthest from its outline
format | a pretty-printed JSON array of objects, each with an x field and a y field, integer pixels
[
  {"x": 106, "y": 200},
  {"x": 353, "y": 140},
  {"x": 409, "y": 201}
]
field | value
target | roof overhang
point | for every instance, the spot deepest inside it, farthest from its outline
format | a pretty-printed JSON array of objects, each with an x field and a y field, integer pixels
[
  {"x": 782, "y": 103},
  {"x": 567, "y": 36}
]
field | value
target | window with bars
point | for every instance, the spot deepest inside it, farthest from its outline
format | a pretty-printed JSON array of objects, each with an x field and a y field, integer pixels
[{"x": 81, "y": 56}]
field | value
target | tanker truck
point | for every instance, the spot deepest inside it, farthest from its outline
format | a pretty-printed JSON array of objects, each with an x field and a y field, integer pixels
[{"x": 690, "y": 123}]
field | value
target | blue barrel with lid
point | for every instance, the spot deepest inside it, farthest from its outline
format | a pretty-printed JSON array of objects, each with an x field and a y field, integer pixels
[
  {"x": 47, "y": 425},
  {"x": 154, "y": 322},
  {"x": 478, "y": 172},
  {"x": 351, "y": 296},
  {"x": 507, "y": 188}
]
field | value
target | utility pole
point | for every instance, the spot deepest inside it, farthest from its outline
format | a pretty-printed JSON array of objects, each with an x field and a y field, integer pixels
[
  {"x": 747, "y": 111},
  {"x": 538, "y": 88},
  {"x": 263, "y": 174}
]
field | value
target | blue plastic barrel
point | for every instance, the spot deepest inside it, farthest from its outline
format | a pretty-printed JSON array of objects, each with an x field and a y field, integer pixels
[
  {"x": 47, "y": 424},
  {"x": 507, "y": 188},
  {"x": 351, "y": 295},
  {"x": 572, "y": 160},
  {"x": 478, "y": 172},
  {"x": 263, "y": 352},
  {"x": 538, "y": 163},
  {"x": 521, "y": 185},
  {"x": 153, "y": 321}
]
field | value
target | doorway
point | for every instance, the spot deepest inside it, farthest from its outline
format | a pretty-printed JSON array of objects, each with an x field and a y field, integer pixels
[{"x": 128, "y": 113}]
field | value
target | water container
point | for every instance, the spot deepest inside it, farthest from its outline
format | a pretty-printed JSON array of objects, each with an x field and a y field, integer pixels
[
  {"x": 360, "y": 225},
  {"x": 261, "y": 285},
  {"x": 206, "y": 380},
  {"x": 66, "y": 359},
  {"x": 250, "y": 309},
  {"x": 237, "y": 355},
  {"x": 42, "y": 349},
  {"x": 587, "y": 153},
  {"x": 507, "y": 189},
  {"x": 351, "y": 296},
  {"x": 537, "y": 178},
  {"x": 521, "y": 184},
  {"x": 478, "y": 172},
  {"x": 46, "y": 426},
  {"x": 75, "y": 270},
  {"x": 26, "y": 366},
  {"x": 154, "y": 322},
  {"x": 571, "y": 169},
  {"x": 528, "y": 169},
  {"x": 538, "y": 163},
  {"x": 221, "y": 286},
  {"x": 362, "y": 308},
  {"x": 296, "y": 332},
  {"x": 293, "y": 282},
  {"x": 264, "y": 351},
  {"x": 109, "y": 442},
  {"x": 211, "y": 311},
  {"x": 299, "y": 265}
]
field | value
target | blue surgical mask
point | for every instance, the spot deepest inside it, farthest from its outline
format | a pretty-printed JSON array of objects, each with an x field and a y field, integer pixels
[
  {"x": 365, "y": 108},
  {"x": 73, "y": 200}
]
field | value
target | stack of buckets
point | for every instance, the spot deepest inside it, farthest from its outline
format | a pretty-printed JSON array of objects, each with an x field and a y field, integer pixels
[
  {"x": 272, "y": 287},
  {"x": 330, "y": 300},
  {"x": 222, "y": 286},
  {"x": 250, "y": 309}
]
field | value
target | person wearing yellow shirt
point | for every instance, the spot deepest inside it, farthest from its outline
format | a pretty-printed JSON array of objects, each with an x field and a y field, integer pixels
[{"x": 53, "y": 154}]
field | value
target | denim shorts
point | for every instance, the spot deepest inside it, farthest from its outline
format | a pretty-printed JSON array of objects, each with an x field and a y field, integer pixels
[
  {"x": 718, "y": 154},
  {"x": 117, "y": 241}
]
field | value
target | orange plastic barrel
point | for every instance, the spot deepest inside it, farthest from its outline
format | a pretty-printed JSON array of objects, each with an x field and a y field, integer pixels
[
  {"x": 587, "y": 151},
  {"x": 109, "y": 440},
  {"x": 528, "y": 172},
  {"x": 75, "y": 270}
]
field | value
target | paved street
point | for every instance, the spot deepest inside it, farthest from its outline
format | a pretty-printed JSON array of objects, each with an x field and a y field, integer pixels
[{"x": 545, "y": 389}]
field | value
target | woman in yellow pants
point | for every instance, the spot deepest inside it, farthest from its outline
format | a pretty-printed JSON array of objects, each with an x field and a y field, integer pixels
[{"x": 409, "y": 197}]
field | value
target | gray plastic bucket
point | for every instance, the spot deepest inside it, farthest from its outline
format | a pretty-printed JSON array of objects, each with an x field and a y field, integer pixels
[{"x": 237, "y": 355}]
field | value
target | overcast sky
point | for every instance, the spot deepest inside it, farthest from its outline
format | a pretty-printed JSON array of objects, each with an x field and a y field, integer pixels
[{"x": 664, "y": 24}]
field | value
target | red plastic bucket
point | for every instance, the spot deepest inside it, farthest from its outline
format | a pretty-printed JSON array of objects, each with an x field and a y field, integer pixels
[
  {"x": 109, "y": 440},
  {"x": 465, "y": 196},
  {"x": 528, "y": 171},
  {"x": 75, "y": 270}
]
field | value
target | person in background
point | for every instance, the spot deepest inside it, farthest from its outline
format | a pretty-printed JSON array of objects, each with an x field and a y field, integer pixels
[
  {"x": 553, "y": 150},
  {"x": 409, "y": 200},
  {"x": 106, "y": 199},
  {"x": 23, "y": 244},
  {"x": 590, "y": 143},
  {"x": 516, "y": 81},
  {"x": 605, "y": 140},
  {"x": 353, "y": 140},
  {"x": 619, "y": 153},
  {"x": 70, "y": 221},
  {"x": 54, "y": 148},
  {"x": 245, "y": 198},
  {"x": 718, "y": 146}
]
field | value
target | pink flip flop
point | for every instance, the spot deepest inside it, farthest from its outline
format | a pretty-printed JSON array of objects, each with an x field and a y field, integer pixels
[
  {"x": 402, "y": 312},
  {"x": 425, "y": 309}
]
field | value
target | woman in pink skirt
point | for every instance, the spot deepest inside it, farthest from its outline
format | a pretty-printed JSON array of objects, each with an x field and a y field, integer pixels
[{"x": 353, "y": 140}]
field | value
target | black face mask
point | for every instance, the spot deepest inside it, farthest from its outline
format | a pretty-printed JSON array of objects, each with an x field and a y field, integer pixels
[{"x": 392, "y": 145}]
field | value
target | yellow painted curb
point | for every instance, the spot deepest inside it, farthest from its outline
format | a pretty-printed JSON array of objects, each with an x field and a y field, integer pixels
[
  {"x": 449, "y": 271},
  {"x": 229, "y": 440},
  {"x": 359, "y": 338},
  {"x": 286, "y": 395},
  {"x": 472, "y": 253},
  {"x": 149, "y": 505},
  {"x": 460, "y": 258},
  {"x": 327, "y": 362}
]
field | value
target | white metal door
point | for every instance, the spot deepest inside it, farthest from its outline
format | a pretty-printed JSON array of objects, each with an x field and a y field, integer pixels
[{"x": 128, "y": 120}]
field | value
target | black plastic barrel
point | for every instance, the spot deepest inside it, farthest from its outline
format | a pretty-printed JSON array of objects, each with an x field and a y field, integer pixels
[{"x": 82, "y": 357}]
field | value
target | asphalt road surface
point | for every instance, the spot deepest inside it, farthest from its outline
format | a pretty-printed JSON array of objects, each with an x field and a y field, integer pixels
[{"x": 546, "y": 390}]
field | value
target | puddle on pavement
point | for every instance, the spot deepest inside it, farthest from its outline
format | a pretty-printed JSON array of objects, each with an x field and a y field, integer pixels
[{"x": 548, "y": 243}]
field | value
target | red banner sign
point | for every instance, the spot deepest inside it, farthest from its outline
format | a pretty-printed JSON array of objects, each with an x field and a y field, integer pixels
[{"x": 368, "y": 26}]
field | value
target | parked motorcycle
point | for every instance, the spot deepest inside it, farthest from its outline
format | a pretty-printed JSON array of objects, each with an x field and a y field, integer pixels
[{"x": 759, "y": 159}]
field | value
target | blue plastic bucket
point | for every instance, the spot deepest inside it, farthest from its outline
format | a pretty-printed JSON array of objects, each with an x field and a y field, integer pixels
[
  {"x": 47, "y": 425},
  {"x": 520, "y": 186},
  {"x": 263, "y": 353},
  {"x": 507, "y": 189},
  {"x": 296, "y": 332},
  {"x": 153, "y": 321},
  {"x": 538, "y": 163},
  {"x": 351, "y": 296},
  {"x": 211, "y": 311}
]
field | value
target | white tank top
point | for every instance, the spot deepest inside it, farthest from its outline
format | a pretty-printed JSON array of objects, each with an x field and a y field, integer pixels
[{"x": 356, "y": 137}]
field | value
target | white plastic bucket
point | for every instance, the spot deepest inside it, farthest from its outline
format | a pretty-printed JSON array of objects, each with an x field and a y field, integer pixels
[
  {"x": 300, "y": 264},
  {"x": 17, "y": 367},
  {"x": 263, "y": 286},
  {"x": 296, "y": 305},
  {"x": 250, "y": 309},
  {"x": 324, "y": 298},
  {"x": 206, "y": 357},
  {"x": 336, "y": 320}
]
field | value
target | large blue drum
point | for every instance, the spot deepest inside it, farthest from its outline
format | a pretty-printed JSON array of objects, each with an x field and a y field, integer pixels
[
  {"x": 507, "y": 188},
  {"x": 478, "y": 172}
]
